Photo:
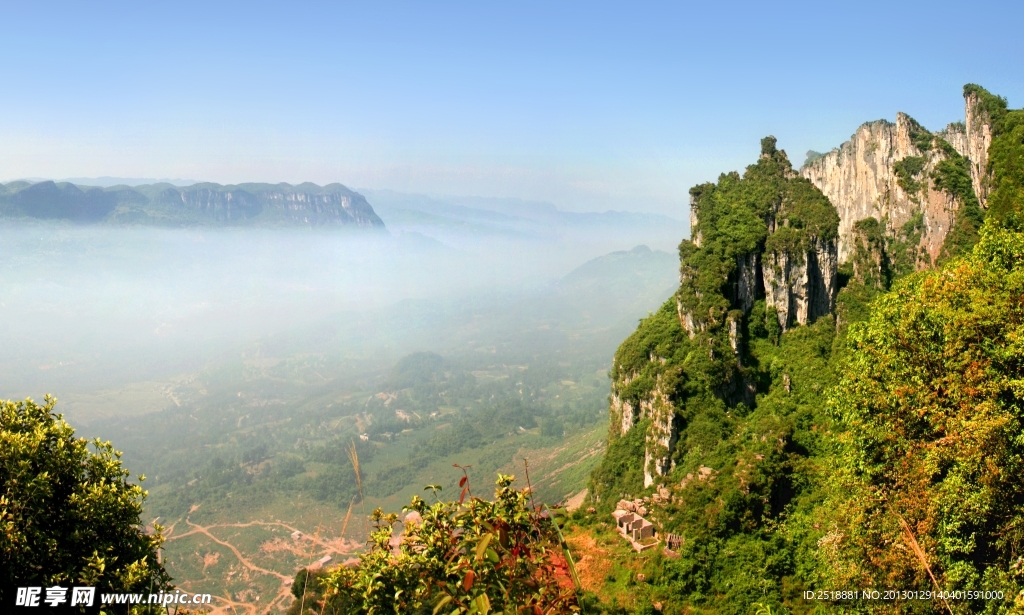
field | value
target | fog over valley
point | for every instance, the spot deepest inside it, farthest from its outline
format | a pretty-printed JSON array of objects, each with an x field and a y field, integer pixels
[
  {"x": 91, "y": 306},
  {"x": 234, "y": 359}
]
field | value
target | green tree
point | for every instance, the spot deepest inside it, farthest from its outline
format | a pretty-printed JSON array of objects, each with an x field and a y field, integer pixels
[
  {"x": 68, "y": 515},
  {"x": 1006, "y": 166}
]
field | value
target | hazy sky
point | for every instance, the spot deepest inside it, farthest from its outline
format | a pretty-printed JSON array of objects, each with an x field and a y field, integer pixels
[{"x": 589, "y": 105}]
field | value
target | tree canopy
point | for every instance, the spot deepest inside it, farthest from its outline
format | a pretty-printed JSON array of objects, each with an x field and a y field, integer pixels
[
  {"x": 930, "y": 430},
  {"x": 68, "y": 514}
]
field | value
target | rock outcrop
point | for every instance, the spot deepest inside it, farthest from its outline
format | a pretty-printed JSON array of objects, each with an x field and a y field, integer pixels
[
  {"x": 663, "y": 427},
  {"x": 661, "y": 436},
  {"x": 711, "y": 397},
  {"x": 749, "y": 282},
  {"x": 862, "y": 177},
  {"x": 802, "y": 286},
  {"x": 224, "y": 206},
  {"x": 977, "y": 138},
  {"x": 775, "y": 258}
]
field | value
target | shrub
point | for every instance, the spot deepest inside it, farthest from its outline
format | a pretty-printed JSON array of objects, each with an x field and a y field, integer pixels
[
  {"x": 68, "y": 515},
  {"x": 465, "y": 556}
]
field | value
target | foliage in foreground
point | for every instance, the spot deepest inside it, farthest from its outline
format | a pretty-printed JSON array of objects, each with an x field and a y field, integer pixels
[
  {"x": 931, "y": 432},
  {"x": 465, "y": 556},
  {"x": 68, "y": 515}
]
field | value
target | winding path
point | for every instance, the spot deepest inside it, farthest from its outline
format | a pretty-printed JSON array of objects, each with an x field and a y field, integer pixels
[{"x": 227, "y": 606}]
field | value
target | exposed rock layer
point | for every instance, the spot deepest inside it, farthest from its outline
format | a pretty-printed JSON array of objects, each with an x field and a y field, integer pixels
[
  {"x": 860, "y": 177},
  {"x": 779, "y": 253},
  {"x": 802, "y": 286}
]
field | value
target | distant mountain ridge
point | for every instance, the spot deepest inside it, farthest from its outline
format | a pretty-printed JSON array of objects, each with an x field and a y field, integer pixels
[
  {"x": 203, "y": 204},
  {"x": 622, "y": 272},
  {"x": 106, "y": 181}
]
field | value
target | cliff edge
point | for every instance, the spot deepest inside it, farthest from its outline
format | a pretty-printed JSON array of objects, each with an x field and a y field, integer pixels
[
  {"x": 770, "y": 251},
  {"x": 910, "y": 180}
]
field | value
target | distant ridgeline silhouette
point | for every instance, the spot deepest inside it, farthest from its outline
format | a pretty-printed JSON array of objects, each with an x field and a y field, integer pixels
[{"x": 199, "y": 204}]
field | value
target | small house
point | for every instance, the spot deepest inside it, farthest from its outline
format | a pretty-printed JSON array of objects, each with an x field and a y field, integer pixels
[
  {"x": 623, "y": 519},
  {"x": 633, "y": 526},
  {"x": 673, "y": 541},
  {"x": 642, "y": 529}
]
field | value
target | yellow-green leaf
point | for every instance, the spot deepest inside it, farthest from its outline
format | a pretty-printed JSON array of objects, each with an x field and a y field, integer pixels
[
  {"x": 481, "y": 547},
  {"x": 440, "y": 603}
]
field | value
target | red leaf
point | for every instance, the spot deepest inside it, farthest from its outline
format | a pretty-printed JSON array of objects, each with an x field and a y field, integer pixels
[
  {"x": 462, "y": 496},
  {"x": 462, "y": 482},
  {"x": 467, "y": 582}
]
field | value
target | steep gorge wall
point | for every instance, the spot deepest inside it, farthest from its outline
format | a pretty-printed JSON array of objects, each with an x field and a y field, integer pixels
[
  {"x": 305, "y": 204},
  {"x": 202, "y": 204},
  {"x": 802, "y": 286},
  {"x": 215, "y": 205},
  {"x": 977, "y": 138}
]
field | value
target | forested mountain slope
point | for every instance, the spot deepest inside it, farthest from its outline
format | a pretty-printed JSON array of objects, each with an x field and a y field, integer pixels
[{"x": 827, "y": 403}]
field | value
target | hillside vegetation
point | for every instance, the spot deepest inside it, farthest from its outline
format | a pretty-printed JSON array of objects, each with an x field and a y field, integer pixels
[{"x": 877, "y": 446}]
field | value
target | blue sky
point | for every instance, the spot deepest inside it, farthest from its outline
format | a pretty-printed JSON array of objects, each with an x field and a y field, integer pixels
[{"x": 591, "y": 106}]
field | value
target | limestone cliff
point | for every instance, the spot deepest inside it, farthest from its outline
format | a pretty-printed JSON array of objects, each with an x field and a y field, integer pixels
[
  {"x": 279, "y": 204},
  {"x": 787, "y": 255},
  {"x": 724, "y": 402},
  {"x": 887, "y": 171},
  {"x": 977, "y": 137},
  {"x": 214, "y": 205},
  {"x": 763, "y": 255},
  {"x": 801, "y": 285}
]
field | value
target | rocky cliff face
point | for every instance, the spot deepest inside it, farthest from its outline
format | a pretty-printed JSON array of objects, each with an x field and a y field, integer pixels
[
  {"x": 977, "y": 137},
  {"x": 282, "y": 204},
  {"x": 802, "y": 286},
  {"x": 765, "y": 255},
  {"x": 885, "y": 171},
  {"x": 792, "y": 265},
  {"x": 215, "y": 205},
  {"x": 858, "y": 177},
  {"x": 662, "y": 434},
  {"x": 771, "y": 257}
]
